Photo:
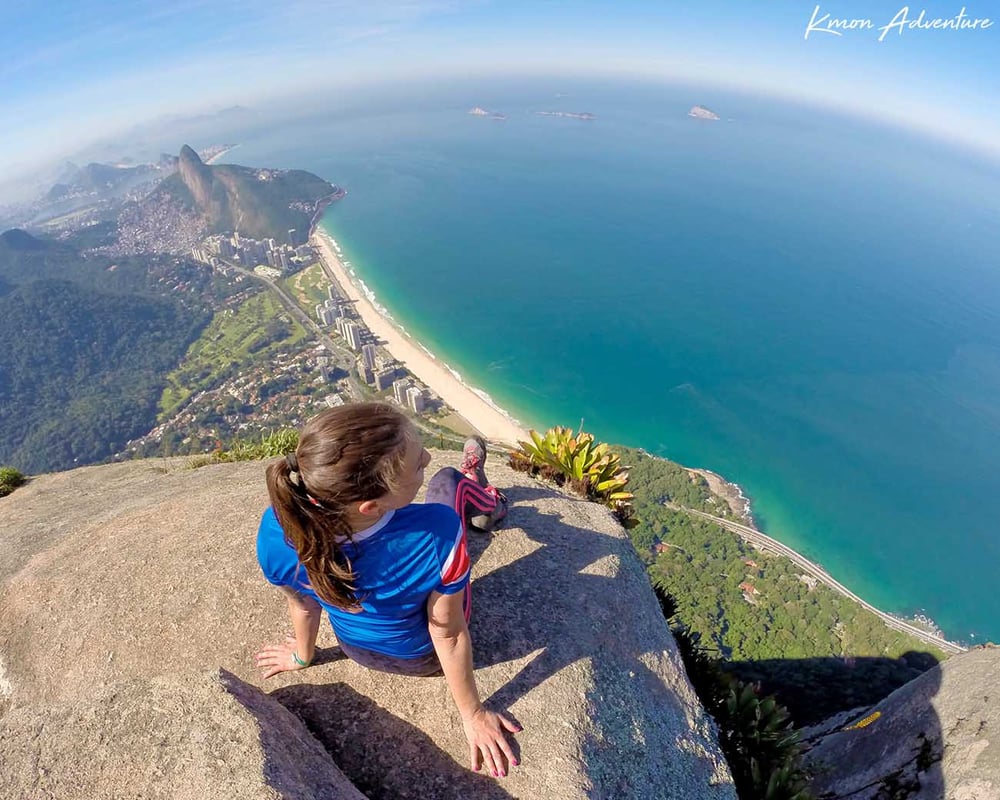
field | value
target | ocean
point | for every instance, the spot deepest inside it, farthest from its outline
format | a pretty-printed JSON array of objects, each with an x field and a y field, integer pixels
[{"x": 804, "y": 302}]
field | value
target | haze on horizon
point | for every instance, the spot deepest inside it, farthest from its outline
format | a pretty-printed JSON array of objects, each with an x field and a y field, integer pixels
[{"x": 87, "y": 70}]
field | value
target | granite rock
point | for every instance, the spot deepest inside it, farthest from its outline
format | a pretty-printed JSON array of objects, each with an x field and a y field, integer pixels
[{"x": 123, "y": 583}]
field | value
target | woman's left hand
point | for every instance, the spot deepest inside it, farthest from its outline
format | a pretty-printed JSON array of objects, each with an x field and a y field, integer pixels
[
  {"x": 277, "y": 658},
  {"x": 488, "y": 745}
]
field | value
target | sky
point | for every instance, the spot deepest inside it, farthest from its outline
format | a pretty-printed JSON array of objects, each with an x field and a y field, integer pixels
[{"x": 77, "y": 70}]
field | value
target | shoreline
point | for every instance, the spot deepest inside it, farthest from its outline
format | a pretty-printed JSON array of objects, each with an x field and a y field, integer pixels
[
  {"x": 731, "y": 492},
  {"x": 470, "y": 403},
  {"x": 768, "y": 544},
  {"x": 220, "y": 154}
]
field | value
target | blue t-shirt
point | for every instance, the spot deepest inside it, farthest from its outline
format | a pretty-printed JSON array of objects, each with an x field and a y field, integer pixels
[{"x": 409, "y": 553}]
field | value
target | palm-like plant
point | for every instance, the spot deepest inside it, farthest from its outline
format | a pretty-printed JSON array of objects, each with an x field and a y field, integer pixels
[{"x": 574, "y": 459}]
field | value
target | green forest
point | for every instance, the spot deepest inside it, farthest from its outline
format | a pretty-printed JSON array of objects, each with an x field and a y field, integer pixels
[
  {"x": 818, "y": 651},
  {"x": 89, "y": 342}
]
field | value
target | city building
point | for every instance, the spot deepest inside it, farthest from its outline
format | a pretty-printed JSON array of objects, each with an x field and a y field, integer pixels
[
  {"x": 332, "y": 293},
  {"x": 415, "y": 399},
  {"x": 399, "y": 390},
  {"x": 352, "y": 333},
  {"x": 366, "y": 373},
  {"x": 384, "y": 379},
  {"x": 368, "y": 355}
]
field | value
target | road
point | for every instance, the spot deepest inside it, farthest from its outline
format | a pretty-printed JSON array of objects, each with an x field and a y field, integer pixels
[{"x": 766, "y": 543}]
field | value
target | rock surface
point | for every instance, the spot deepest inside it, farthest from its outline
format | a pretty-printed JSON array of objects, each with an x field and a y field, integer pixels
[
  {"x": 124, "y": 589},
  {"x": 185, "y": 735},
  {"x": 936, "y": 738}
]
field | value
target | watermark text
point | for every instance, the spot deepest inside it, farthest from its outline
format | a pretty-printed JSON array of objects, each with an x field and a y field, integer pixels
[{"x": 904, "y": 20}]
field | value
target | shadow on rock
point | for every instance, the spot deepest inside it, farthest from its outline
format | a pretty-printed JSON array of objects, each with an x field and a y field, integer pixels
[
  {"x": 379, "y": 752},
  {"x": 892, "y": 750},
  {"x": 542, "y": 602},
  {"x": 814, "y": 689}
]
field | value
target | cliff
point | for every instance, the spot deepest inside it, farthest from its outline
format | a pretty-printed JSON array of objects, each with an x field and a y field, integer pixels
[
  {"x": 131, "y": 605},
  {"x": 936, "y": 738},
  {"x": 259, "y": 203}
]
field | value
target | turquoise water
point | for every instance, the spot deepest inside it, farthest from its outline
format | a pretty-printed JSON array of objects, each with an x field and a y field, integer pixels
[{"x": 805, "y": 303}]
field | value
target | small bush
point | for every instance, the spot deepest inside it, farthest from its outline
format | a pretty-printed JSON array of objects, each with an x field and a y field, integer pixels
[
  {"x": 271, "y": 445},
  {"x": 10, "y": 479}
]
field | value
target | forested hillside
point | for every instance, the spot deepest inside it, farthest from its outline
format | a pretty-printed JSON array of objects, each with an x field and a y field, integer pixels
[
  {"x": 88, "y": 345},
  {"x": 817, "y": 650}
]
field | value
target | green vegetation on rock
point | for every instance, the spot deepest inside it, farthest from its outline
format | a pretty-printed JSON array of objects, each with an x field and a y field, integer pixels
[
  {"x": 271, "y": 444},
  {"x": 578, "y": 462},
  {"x": 818, "y": 651},
  {"x": 10, "y": 479}
]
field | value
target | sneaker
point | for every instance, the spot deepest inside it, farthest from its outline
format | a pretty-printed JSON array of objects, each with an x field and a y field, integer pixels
[
  {"x": 473, "y": 467},
  {"x": 474, "y": 459}
]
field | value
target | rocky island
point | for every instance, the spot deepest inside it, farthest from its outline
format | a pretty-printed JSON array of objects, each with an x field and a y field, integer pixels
[
  {"x": 479, "y": 111},
  {"x": 700, "y": 112}
]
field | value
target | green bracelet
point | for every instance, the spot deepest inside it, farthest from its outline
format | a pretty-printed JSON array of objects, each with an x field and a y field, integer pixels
[{"x": 299, "y": 661}]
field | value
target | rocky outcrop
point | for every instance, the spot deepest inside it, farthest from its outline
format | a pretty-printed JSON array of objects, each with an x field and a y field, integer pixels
[
  {"x": 197, "y": 177},
  {"x": 125, "y": 589},
  {"x": 259, "y": 203},
  {"x": 936, "y": 738},
  {"x": 182, "y": 735}
]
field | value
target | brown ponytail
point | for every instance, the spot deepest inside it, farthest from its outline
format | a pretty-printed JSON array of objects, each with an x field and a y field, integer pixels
[{"x": 345, "y": 455}]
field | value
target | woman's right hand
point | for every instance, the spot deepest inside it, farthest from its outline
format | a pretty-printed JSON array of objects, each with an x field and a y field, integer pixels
[
  {"x": 277, "y": 658},
  {"x": 488, "y": 746}
]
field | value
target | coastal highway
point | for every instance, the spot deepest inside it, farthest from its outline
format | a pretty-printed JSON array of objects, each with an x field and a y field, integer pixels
[{"x": 766, "y": 543}]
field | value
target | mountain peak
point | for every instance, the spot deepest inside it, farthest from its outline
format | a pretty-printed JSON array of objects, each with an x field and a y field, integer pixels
[{"x": 188, "y": 155}]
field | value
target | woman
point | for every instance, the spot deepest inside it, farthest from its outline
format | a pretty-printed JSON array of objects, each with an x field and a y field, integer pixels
[{"x": 343, "y": 534}]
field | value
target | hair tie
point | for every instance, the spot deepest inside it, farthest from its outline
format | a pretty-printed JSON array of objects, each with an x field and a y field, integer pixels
[
  {"x": 293, "y": 462},
  {"x": 314, "y": 501}
]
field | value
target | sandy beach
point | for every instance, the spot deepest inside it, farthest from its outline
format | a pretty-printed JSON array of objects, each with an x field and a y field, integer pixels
[{"x": 488, "y": 419}]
